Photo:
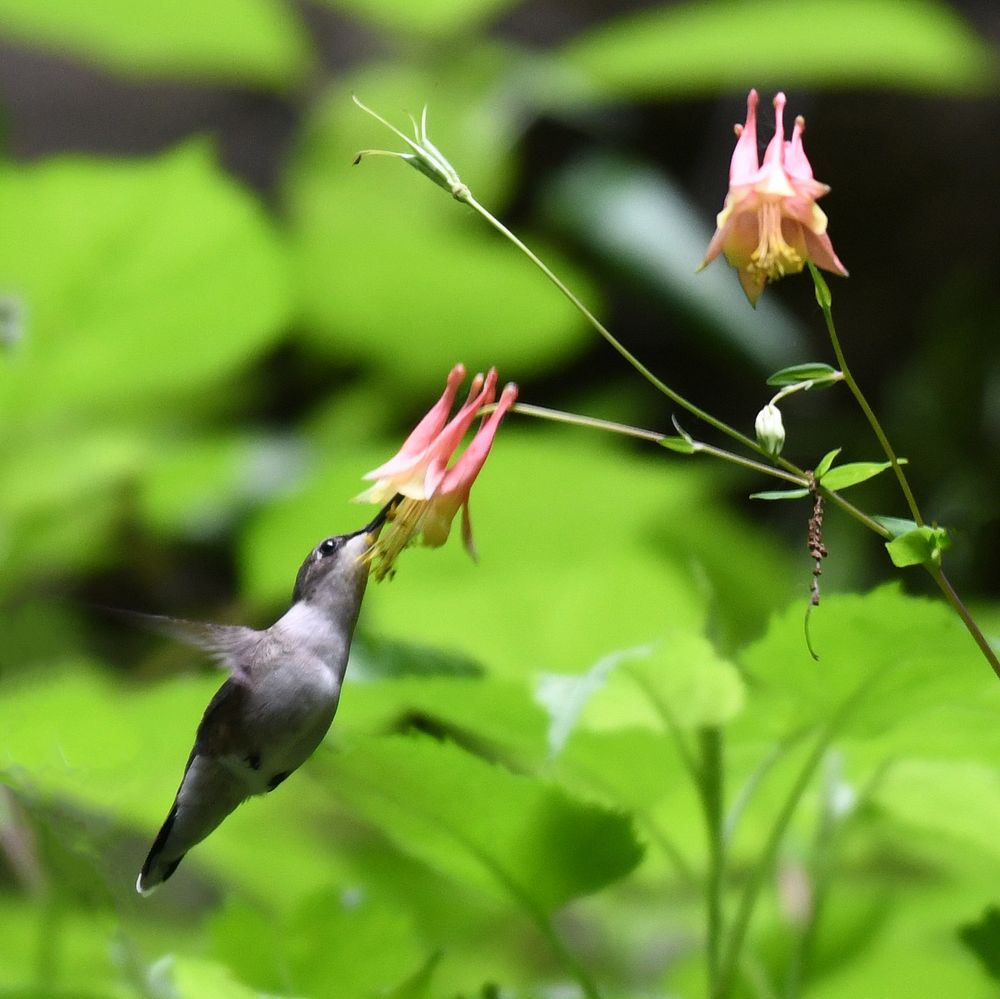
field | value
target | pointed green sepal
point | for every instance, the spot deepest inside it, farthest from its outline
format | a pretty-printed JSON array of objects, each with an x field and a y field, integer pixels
[
  {"x": 682, "y": 445},
  {"x": 780, "y": 494},
  {"x": 821, "y": 375},
  {"x": 823, "y": 297}
]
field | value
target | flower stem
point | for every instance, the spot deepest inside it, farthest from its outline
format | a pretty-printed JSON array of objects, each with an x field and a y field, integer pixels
[
  {"x": 593, "y": 423},
  {"x": 711, "y": 792},
  {"x": 944, "y": 584},
  {"x": 661, "y": 386},
  {"x": 575, "y": 419},
  {"x": 788, "y": 471},
  {"x": 827, "y": 310},
  {"x": 748, "y": 901}
]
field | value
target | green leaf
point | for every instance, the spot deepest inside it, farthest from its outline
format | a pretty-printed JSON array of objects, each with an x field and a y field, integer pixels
[
  {"x": 896, "y": 526},
  {"x": 682, "y": 445},
  {"x": 369, "y": 945},
  {"x": 682, "y": 673},
  {"x": 497, "y": 718},
  {"x": 479, "y": 823},
  {"x": 921, "y": 546},
  {"x": 170, "y": 277},
  {"x": 435, "y": 18},
  {"x": 826, "y": 462},
  {"x": 821, "y": 374},
  {"x": 808, "y": 43},
  {"x": 780, "y": 494},
  {"x": 416, "y": 311},
  {"x": 959, "y": 799},
  {"x": 418, "y": 985},
  {"x": 982, "y": 938},
  {"x": 237, "y": 41},
  {"x": 196, "y": 977},
  {"x": 845, "y": 476},
  {"x": 915, "y": 654}
]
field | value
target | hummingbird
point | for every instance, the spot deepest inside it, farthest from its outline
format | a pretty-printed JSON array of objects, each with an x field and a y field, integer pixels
[{"x": 284, "y": 682}]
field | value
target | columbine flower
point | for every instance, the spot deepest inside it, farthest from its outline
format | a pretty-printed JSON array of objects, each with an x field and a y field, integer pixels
[
  {"x": 430, "y": 493},
  {"x": 770, "y": 224}
]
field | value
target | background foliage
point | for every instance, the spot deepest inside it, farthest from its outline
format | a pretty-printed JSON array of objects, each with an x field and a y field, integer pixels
[{"x": 212, "y": 326}]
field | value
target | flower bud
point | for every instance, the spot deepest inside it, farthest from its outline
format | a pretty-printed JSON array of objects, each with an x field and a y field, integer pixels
[{"x": 770, "y": 430}]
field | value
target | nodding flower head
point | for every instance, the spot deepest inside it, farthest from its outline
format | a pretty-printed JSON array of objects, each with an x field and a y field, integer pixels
[
  {"x": 770, "y": 224},
  {"x": 429, "y": 492}
]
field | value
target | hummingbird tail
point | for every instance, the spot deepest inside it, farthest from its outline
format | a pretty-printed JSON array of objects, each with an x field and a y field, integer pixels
[{"x": 158, "y": 868}]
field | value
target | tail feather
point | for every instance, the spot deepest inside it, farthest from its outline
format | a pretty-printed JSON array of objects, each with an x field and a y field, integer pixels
[
  {"x": 154, "y": 871},
  {"x": 208, "y": 793}
]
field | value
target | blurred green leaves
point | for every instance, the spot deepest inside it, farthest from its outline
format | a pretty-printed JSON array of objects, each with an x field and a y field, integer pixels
[
  {"x": 483, "y": 773},
  {"x": 431, "y": 18},
  {"x": 141, "y": 279},
  {"x": 438, "y": 286},
  {"x": 145, "y": 283},
  {"x": 261, "y": 42},
  {"x": 704, "y": 46},
  {"x": 482, "y": 824}
]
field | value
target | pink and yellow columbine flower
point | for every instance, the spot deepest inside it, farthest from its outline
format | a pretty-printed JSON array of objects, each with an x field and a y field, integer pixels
[
  {"x": 770, "y": 224},
  {"x": 430, "y": 493}
]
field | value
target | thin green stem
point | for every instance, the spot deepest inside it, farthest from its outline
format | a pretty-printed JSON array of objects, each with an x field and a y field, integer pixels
[
  {"x": 831, "y": 328},
  {"x": 576, "y": 420},
  {"x": 748, "y": 901},
  {"x": 788, "y": 471},
  {"x": 688, "y": 758},
  {"x": 788, "y": 390},
  {"x": 757, "y": 466},
  {"x": 829, "y": 834},
  {"x": 750, "y": 785},
  {"x": 859, "y": 515},
  {"x": 710, "y": 790},
  {"x": 706, "y": 771},
  {"x": 937, "y": 574},
  {"x": 593, "y": 423},
  {"x": 661, "y": 386}
]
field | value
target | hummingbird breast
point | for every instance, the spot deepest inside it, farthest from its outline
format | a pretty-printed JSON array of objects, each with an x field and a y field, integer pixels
[{"x": 291, "y": 710}]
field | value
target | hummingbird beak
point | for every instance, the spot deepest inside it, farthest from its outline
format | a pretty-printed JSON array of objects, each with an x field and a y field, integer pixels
[{"x": 372, "y": 529}]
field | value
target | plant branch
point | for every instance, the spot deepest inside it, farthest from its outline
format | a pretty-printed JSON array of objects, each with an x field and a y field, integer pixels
[
  {"x": 748, "y": 900},
  {"x": 823, "y": 298},
  {"x": 944, "y": 584},
  {"x": 661, "y": 386},
  {"x": 711, "y": 792}
]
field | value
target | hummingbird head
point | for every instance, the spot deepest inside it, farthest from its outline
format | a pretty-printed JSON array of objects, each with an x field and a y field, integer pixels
[{"x": 335, "y": 570}]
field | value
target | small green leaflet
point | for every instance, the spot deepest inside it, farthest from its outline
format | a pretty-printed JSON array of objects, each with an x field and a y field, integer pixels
[
  {"x": 814, "y": 371},
  {"x": 844, "y": 476},
  {"x": 825, "y": 462},
  {"x": 780, "y": 494},
  {"x": 921, "y": 546},
  {"x": 682, "y": 445},
  {"x": 897, "y": 526}
]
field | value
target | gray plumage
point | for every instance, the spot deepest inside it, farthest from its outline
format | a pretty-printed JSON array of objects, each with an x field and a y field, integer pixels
[{"x": 277, "y": 705}]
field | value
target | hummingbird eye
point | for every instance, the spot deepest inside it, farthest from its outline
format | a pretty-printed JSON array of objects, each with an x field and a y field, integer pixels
[{"x": 329, "y": 546}]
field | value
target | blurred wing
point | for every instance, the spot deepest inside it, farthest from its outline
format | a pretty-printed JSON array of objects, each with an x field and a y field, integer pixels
[{"x": 232, "y": 646}]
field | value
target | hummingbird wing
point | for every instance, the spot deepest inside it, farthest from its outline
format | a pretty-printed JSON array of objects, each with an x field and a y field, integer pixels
[{"x": 232, "y": 646}]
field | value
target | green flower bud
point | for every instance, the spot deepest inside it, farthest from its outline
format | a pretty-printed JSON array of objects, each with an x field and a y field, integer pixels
[{"x": 770, "y": 430}]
